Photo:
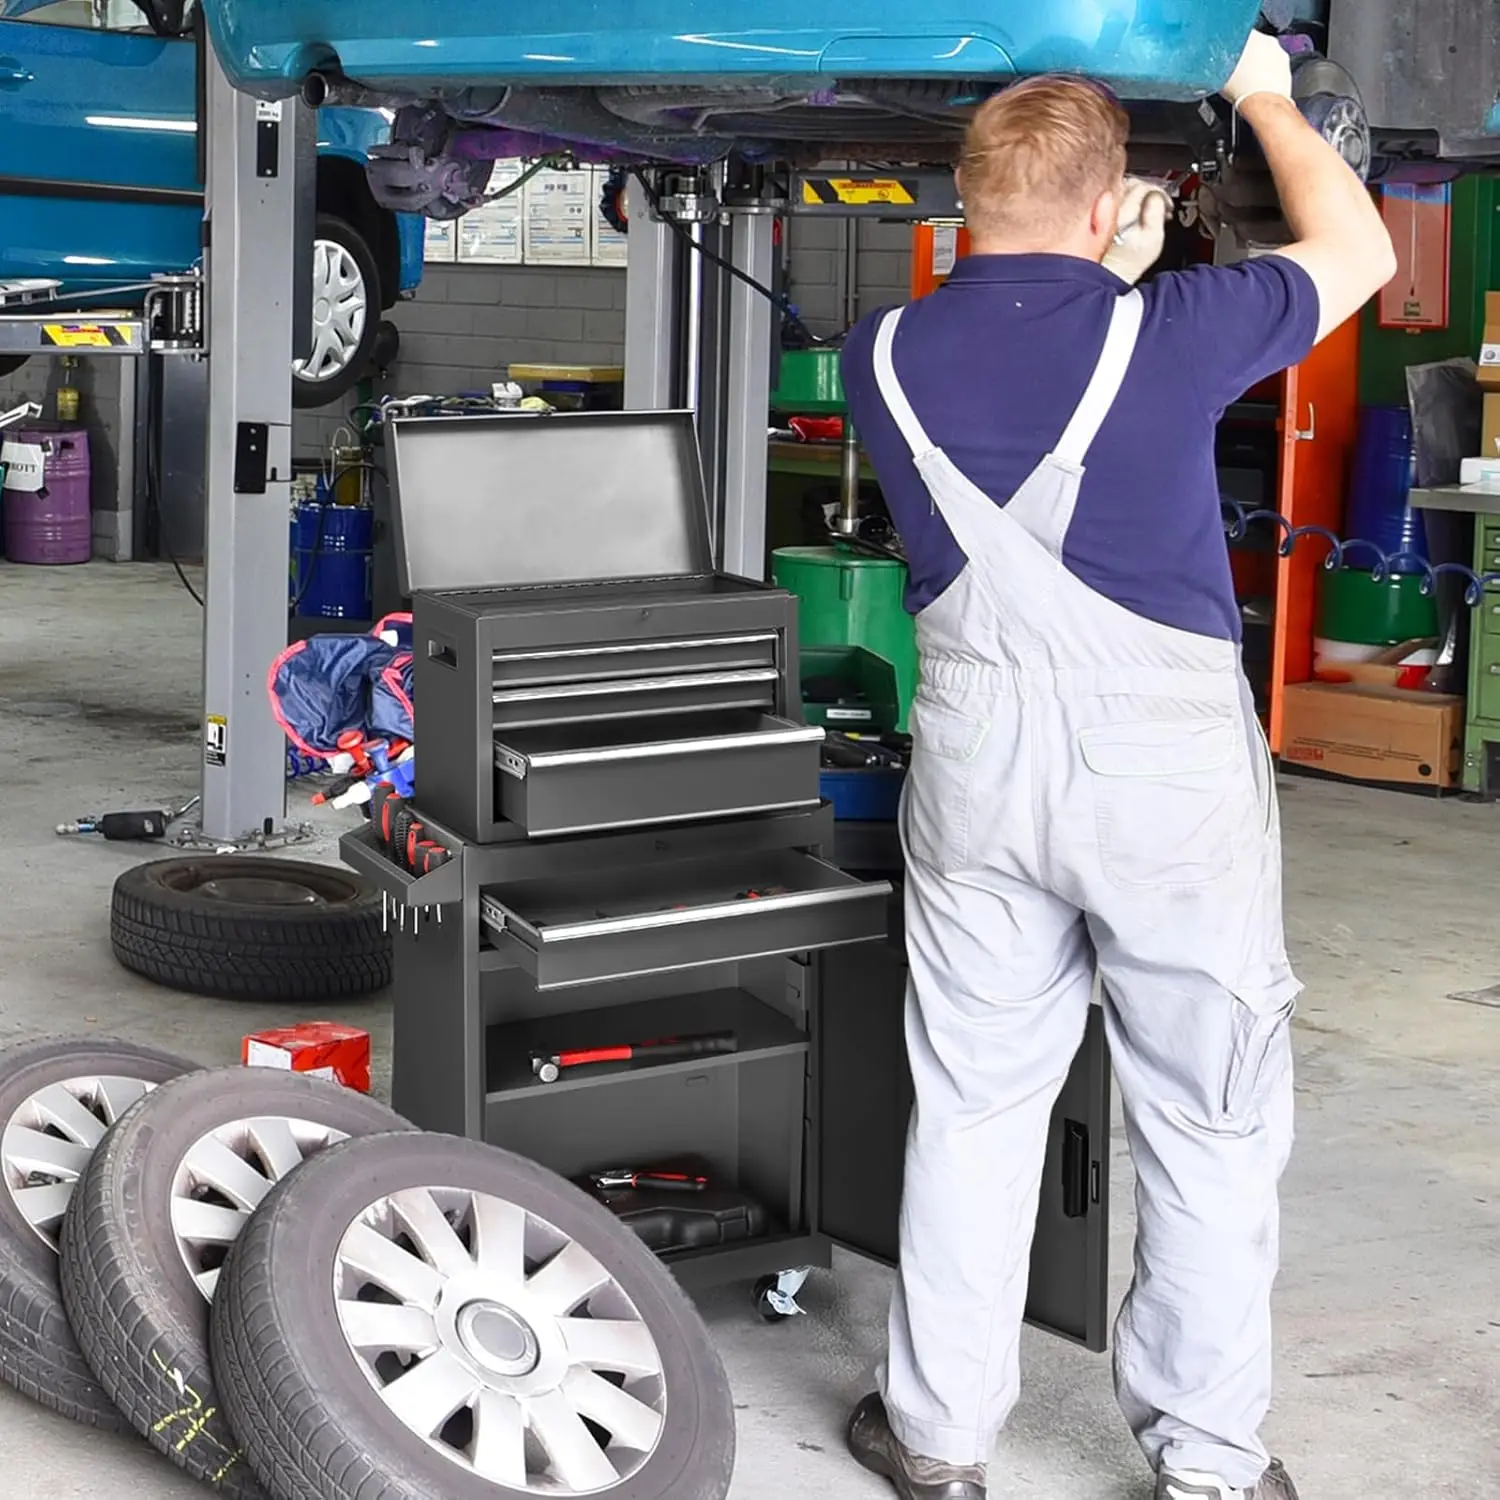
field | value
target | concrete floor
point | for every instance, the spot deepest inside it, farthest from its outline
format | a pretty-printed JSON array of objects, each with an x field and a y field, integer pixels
[{"x": 1390, "y": 1301}]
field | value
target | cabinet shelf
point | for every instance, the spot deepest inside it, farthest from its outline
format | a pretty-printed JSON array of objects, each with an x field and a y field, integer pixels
[{"x": 762, "y": 1032}]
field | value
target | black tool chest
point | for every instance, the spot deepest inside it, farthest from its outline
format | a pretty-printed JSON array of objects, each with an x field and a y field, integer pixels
[{"x": 611, "y": 747}]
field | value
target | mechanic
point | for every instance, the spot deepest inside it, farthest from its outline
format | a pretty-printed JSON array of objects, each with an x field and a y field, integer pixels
[{"x": 1090, "y": 789}]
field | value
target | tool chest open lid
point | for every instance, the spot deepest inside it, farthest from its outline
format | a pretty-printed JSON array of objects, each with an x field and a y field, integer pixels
[{"x": 524, "y": 500}]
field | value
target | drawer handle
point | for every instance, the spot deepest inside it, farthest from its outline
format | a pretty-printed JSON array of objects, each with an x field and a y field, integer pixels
[
  {"x": 569, "y": 932},
  {"x": 635, "y": 648},
  {"x": 636, "y": 685},
  {"x": 662, "y": 749}
]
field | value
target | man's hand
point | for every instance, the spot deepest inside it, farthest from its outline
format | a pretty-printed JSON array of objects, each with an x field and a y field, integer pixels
[
  {"x": 1264, "y": 68},
  {"x": 1142, "y": 231}
]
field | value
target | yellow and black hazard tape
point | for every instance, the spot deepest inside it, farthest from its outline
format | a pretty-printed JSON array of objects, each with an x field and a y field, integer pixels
[
  {"x": 91, "y": 335},
  {"x": 859, "y": 192}
]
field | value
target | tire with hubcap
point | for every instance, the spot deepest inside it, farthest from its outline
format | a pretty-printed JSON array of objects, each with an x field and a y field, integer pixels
[
  {"x": 57, "y": 1100},
  {"x": 345, "y": 314},
  {"x": 415, "y": 1315},
  {"x": 152, "y": 1219},
  {"x": 245, "y": 927}
]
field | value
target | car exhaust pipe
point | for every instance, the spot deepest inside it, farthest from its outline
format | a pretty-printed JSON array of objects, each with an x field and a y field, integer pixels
[{"x": 334, "y": 90}]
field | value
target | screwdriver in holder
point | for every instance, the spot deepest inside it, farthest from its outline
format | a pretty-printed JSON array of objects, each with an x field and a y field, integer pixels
[{"x": 550, "y": 1066}]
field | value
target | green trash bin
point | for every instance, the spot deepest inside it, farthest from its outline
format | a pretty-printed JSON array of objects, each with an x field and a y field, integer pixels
[{"x": 848, "y": 598}]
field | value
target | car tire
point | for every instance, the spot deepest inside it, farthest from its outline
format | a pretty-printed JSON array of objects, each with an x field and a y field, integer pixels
[
  {"x": 302, "y": 1288},
  {"x": 10, "y": 363},
  {"x": 169, "y": 1187},
  {"x": 57, "y": 1099},
  {"x": 344, "y": 268},
  {"x": 241, "y": 927}
]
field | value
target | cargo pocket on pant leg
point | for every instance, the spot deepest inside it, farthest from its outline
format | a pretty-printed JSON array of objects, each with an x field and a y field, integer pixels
[
  {"x": 1260, "y": 1030},
  {"x": 1169, "y": 800},
  {"x": 936, "y": 807}
]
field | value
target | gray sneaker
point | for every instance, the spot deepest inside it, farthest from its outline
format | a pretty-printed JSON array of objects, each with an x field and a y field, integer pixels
[
  {"x": 874, "y": 1445},
  {"x": 1274, "y": 1484}
]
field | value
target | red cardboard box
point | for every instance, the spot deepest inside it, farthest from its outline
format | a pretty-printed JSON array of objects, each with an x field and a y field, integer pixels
[{"x": 323, "y": 1049}]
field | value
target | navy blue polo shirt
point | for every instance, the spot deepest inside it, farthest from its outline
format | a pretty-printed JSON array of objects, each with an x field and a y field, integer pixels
[{"x": 994, "y": 363}]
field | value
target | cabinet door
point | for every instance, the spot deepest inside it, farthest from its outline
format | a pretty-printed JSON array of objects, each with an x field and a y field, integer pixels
[{"x": 863, "y": 1101}]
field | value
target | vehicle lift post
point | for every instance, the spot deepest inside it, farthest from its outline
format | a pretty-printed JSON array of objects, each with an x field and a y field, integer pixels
[{"x": 253, "y": 178}]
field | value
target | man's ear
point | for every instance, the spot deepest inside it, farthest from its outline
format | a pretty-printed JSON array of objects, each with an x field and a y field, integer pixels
[{"x": 1105, "y": 218}]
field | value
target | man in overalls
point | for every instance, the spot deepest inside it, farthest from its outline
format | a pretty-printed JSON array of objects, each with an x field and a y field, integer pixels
[{"x": 1090, "y": 789}]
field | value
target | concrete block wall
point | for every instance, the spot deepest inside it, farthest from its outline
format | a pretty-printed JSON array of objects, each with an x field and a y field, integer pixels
[
  {"x": 467, "y": 324},
  {"x": 818, "y": 262}
]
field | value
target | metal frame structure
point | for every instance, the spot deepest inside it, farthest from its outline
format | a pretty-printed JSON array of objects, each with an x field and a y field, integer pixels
[
  {"x": 252, "y": 188},
  {"x": 700, "y": 332}
]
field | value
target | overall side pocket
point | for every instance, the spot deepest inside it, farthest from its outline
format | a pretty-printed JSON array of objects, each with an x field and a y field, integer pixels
[{"x": 940, "y": 785}]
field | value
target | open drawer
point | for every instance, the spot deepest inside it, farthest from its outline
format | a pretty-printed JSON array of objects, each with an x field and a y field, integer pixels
[
  {"x": 583, "y": 778},
  {"x": 680, "y": 915}
]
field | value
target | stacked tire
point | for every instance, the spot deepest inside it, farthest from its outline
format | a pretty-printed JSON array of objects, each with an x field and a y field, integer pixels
[{"x": 294, "y": 1295}]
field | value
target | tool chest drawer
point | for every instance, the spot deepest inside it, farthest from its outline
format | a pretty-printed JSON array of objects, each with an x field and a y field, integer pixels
[
  {"x": 594, "y": 776},
  {"x": 538, "y": 704},
  {"x": 613, "y": 661},
  {"x": 680, "y": 915}
]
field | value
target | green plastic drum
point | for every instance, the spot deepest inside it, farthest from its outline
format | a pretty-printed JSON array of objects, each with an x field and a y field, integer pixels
[
  {"x": 811, "y": 382},
  {"x": 1353, "y": 607},
  {"x": 846, "y": 598}
]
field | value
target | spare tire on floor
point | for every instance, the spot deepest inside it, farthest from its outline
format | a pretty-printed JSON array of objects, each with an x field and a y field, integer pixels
[
  {"x": 57, "y": 1099},
  {"x": 412, "y": 1315},
  {"x": 153, "y": 1217},
  {"x": 247, "y": 927}
]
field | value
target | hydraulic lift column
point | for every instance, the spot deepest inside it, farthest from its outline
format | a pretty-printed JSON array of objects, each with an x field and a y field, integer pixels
[{"x": 251, "y": 263}]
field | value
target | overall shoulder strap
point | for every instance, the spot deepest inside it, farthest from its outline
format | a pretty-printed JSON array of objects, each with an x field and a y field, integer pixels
[
  {"x": 890, "y": 387},
  {"x": 1104, "y": 387}
]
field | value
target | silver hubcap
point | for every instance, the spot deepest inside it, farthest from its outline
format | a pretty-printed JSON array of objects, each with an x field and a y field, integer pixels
[
  {"x": 224, "y": 1176},
  {"x": 48, "y": 1142},
  {"x": 500, "y": 1341},
  {"x": 340, "y": 306}
]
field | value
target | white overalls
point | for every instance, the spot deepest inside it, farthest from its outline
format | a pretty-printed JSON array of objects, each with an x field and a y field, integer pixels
[{"x": 1088, "y": 789}]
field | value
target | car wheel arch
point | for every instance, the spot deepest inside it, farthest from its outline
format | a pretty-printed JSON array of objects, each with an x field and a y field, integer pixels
[{"x": 343, "y": 190}]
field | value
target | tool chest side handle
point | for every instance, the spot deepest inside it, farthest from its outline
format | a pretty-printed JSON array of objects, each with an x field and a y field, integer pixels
[{"x": 442, "y": 652}]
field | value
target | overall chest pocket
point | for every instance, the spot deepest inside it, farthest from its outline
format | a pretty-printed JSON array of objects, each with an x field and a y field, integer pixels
[
  {"x": 937, "y": 807},
  {"x": 1170, "y": 798}
]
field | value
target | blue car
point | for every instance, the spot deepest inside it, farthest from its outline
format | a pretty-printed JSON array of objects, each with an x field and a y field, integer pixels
[
  {"x": 802, "y": 81},
  {"x": 99, "y": 185}
]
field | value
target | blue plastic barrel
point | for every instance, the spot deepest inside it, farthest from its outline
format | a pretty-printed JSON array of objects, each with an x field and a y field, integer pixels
[
  {"x": 332, "y": 552},
  {"x": 1385, "y": 468}
]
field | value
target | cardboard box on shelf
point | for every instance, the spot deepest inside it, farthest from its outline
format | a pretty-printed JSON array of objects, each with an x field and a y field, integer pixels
[
  {"x": 1490, "y": 445},
  {"x": 1489, "y": 353},
  {"x": 1374, "y": 733}
]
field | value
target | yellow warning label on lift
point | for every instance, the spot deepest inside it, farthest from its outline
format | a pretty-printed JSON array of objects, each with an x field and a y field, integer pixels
[
  {"x": 88, "y": 335},
  {"x": 858, "y": 192}
]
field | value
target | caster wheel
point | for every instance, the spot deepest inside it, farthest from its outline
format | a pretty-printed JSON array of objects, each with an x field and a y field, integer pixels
[{"x": 776, "y": 1296}]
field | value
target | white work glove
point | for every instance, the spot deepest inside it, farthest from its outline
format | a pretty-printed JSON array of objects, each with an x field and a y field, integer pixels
[
  {"x": 1264, "y": 68},
  {"x": 1142, "y": 232}
]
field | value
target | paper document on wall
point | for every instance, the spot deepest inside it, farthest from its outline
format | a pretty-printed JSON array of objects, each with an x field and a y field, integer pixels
[
  {"x": 25, "y": 466},
  {"x": 441, "y": 244},
  {"x": 558, "y": 208},
  {"x": 491, "y": 234}
]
